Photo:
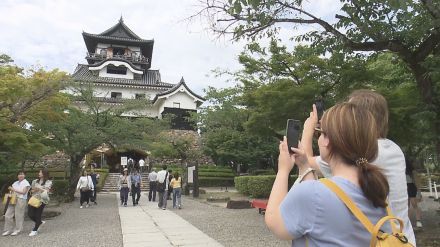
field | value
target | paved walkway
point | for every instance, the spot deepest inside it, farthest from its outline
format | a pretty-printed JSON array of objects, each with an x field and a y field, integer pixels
[{"x": 147, "y": 225}]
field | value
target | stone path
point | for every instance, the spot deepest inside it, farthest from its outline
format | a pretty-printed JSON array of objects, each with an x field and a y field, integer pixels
[{"x": 147, "y": 225}]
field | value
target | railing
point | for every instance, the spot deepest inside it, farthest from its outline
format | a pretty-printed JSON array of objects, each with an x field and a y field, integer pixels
[{"x": 132, "y": 58}]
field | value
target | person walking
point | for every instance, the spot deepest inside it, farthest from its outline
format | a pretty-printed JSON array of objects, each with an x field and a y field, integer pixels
[
  {"x": 152, "y": 177},
  {"x": 141, "y": 163},
  {"x": 40, "y": 189},
  {"x": 123, "y": 185},
  {"x": 176, "y": 184},
  {"x": 95, "y": 177},
  {"x": 162, "y": 187},
  {"x": 16, "y": 209},
  {"x": 170, "y": 189},
  {"x": 85, "y": 186},
  {"x": 414, "y": 193},
  {"x": 136, "y": 183}
]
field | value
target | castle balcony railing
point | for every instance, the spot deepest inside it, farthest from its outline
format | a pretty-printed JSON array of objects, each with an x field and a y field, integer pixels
[{"x": 132, "y": 58}]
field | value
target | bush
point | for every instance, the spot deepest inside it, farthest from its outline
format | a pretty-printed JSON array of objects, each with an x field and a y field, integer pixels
[
  {"x": 262, "y": 172},
  {"x": 258, "y": 186},
  {"x": 216, "y": 181},
  {"x": 60, "y": 187},
  {"x": 241, "y": 184},
  {"x": 101, "y": 181},
  {"x": 215, "y": 174}
]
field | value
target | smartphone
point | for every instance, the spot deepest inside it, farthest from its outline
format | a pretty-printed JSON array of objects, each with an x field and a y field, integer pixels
[
  {"x": 319, "y": 103},
  {"x": 292, "y": 133}
]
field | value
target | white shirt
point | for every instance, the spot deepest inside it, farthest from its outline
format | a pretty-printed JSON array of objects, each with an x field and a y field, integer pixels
[
  {"x": 83, "y": 182},
  {"x": 21, "y": 185},
  {"x": 152, "y": 176},
  {"x": 391, "y": 160},
  {"x": 141, "y": 162},
  {"x": 161, "y": 177}
]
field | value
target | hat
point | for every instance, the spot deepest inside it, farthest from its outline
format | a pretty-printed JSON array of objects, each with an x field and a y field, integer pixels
[{"x": 125, "y": 169}]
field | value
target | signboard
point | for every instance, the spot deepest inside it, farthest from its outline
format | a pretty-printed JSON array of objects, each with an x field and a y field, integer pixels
[
  {"x": 190, "y": 174},
  {"x": 123, "y": 161}
]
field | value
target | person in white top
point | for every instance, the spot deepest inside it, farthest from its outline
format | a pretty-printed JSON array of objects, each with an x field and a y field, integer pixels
[
  {"x": 162, "y": 187},
  {"x": 85, "y": 186},
  {"x": 152, "y": 177},
  {"x": 390, "y": 157},
  {"x": 141, "y": 163},
  {"x": 124, "y": 183},
  {"x": 20, "y": 188}
]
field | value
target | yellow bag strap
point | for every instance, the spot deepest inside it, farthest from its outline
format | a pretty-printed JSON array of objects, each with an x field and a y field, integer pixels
[
  {"x": 374, "y": 235},
  {"x": 393, "y": 225},
  {"x": 349, "y": 203}
]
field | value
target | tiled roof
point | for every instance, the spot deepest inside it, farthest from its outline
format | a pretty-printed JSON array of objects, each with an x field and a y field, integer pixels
[
  {"x": 149, "y": 78},
  {"x": 117, "y": 38},
  {"x": 171, "y": 90},
  {"x": 116, "y": 59}
]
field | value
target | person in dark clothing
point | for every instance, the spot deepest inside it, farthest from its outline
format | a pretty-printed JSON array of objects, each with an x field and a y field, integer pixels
[
  {"x": 170, "y": 189},
  {"x": 95, "y": 178},
  {"x": 136, "y": 182}
]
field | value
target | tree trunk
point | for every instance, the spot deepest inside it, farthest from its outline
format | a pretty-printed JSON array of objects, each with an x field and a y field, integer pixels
[{"x": 74, "y": 175}]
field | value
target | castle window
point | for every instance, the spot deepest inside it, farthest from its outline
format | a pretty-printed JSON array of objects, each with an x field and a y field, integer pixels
[
  {"x": 140, "y": 96},
  {"x": 118, "y": 51},
  {"x": 119, "y": 70},
  {"x": 176, "y": 105},
  {"x": 116, "y": 95}
]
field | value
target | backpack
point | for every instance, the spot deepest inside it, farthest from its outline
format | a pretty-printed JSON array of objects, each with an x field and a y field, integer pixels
[
  {"x": 378, "y": 237},
  {"x": 161, "y": 186}
]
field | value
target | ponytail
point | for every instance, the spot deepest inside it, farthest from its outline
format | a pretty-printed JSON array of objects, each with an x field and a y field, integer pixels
[{"x": 374, "y": 184}]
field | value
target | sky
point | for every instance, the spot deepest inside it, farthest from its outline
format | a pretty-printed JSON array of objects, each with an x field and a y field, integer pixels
[{"x": 49, "y": 33}]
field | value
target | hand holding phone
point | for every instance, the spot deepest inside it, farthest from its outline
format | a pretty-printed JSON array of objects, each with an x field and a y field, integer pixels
[{"x": 292, "y": 133}]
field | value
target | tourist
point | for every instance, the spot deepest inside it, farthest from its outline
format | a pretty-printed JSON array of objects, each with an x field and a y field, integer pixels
[
  {"x": 95, "y": 177},
  {"x": 141, "y": 163},
  {"x": 136, "y": 183},
  {"x": 176, "y": 184},
  {"x": 162, "y": 187},
  {"x": 85, "y": 186},
  {"x": 311, "y": 214},
  {"x": 16, "y": 209},
  {"x": 40, "y": 189},
  {"x": 152, "y": 177},
  {"x": 390, "y": 157},
  {"x": 123, "y": 185},
  {"x": 414, "y": 193},
  {"x": 170, "y": 189}
]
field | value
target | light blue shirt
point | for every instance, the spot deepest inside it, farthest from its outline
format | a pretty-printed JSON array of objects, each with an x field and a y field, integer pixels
[{"x": 311, "y": 210}]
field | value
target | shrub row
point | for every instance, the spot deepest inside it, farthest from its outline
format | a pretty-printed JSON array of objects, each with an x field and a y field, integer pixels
[
  {"x": 262, "y": 172},
  {"x": 216, "y": 174},
  {"x": 216, "y": 181},
  {"x": 257, "y": 186}
]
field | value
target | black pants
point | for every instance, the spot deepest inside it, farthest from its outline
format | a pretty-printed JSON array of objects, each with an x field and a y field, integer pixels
[
  {"x": 124, "y": 195},
  {"x": 35, "y": 215},
  {"x": 135, "y": 191},
  {"x": 84, "y": 196},
  {"x": 93, "y": 195},
  {"x": 152, "y": 193}
]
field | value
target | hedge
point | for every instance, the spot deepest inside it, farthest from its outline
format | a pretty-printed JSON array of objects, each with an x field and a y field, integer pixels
[
  {"x": 215, "y": 174},
  {"x": 216, "y": 181},
  {"x": 60, "y": 187},
  {"x": 257, "y": 186},
  {"x": 262, "y": 172}
]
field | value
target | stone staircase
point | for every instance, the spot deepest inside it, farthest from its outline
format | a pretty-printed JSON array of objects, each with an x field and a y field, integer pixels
[{"x": 111, "y": 183}]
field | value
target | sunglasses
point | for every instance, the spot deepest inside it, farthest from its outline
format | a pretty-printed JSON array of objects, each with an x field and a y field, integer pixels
[{"x": 318, "y": 132}]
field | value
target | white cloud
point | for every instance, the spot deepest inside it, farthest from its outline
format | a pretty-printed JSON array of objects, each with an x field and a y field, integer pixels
[{"x": 48, "y": 32}]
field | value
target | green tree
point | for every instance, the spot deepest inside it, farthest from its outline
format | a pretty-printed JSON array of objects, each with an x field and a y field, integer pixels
[
  {"x": 225, "y": 136},
  {"x": 24, "y": 95},
  {"x": 408, "y": 29}
]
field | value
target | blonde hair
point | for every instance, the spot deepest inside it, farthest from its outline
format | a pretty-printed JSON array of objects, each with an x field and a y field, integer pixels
[{"x": 352, "y": 134}]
